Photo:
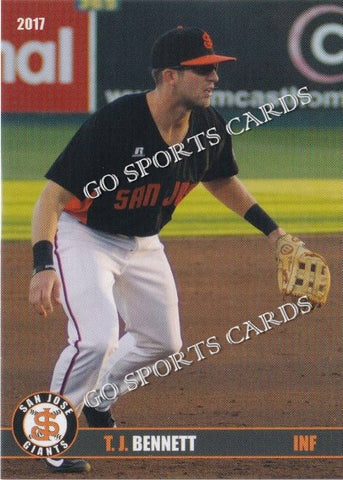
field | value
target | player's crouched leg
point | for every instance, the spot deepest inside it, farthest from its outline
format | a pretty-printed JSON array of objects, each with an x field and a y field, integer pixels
[
  {"x": 163, "y": 347},
  {"x": 161, "y": 339},
  {"x": 87, "y": 361}
]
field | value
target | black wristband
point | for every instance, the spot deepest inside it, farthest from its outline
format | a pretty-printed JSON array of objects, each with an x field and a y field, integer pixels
[
  {"x": 42, "y": 254},
  {"x": 260, "y": 219},
  {"x": 40, "y": 268}
]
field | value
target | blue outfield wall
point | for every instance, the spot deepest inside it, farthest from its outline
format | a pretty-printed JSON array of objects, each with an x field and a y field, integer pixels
[{"x": 280, "y": 47}]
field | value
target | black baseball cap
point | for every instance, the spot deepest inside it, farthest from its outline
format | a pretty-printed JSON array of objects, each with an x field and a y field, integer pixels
[{"x": 185, "y": 46}]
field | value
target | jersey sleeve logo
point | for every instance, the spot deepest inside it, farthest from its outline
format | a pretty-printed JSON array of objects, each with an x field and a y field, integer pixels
[{"x": 139, "y": 152}]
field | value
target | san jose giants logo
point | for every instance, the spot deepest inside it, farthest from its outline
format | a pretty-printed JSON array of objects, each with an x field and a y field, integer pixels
[{"x": 44, "y": 424}]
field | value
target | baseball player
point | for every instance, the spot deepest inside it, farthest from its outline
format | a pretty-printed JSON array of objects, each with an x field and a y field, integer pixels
[{"x": 95, "y": 226}]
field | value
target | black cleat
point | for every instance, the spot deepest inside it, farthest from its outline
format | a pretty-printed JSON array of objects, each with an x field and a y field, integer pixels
[
  {"x": 65, "y": 465},
  {"x": 96, "y": 419}
]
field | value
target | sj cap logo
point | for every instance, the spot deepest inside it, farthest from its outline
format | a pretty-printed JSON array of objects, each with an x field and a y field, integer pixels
[
  {"x": 207, "y": 40},
  {"x": 44, "y": 424}
]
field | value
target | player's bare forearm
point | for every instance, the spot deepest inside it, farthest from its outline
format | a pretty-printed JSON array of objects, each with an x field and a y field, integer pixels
[
  {"x": 45, "y": 286},
  {"x": 233, "y": 193},
  {"x": 47, "y": 212}
]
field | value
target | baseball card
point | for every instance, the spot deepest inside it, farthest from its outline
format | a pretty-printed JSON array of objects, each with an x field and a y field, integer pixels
[{"x": 171, "y": 239}]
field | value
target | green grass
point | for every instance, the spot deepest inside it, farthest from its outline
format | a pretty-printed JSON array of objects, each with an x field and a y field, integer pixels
[
  {"x": 290, "y": 153},
  {"x": 28, "y": 151},
  {"x": 292, "y": 172},
  {"x": 300, "y": 206}
]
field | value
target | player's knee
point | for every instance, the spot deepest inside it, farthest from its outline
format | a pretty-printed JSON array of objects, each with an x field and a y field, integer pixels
[
  {"x": 101, "y": 348},
  {"x": 170, "y": 346},
  {"x": 97, "y": 349}
]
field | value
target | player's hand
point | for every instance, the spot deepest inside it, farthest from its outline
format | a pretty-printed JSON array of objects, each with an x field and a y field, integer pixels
[
  {"x": 45, "y": 291},
  {"x": 274, "y": 236}
]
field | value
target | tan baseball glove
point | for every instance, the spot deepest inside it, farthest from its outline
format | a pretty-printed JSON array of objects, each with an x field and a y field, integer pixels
[{"x": 301, "y": 272}]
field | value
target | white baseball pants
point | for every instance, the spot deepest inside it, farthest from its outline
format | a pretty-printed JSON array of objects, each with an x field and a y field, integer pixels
[{"x": 103, "y": 275}]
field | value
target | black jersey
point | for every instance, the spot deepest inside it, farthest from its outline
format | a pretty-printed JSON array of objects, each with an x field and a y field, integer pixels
[{"x": 126, "y": 179}]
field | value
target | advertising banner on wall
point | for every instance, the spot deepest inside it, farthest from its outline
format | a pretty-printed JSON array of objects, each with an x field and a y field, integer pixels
[
  {"x": 280, "y": 47},
  {"x": 92, "y": 52},
  {"x": 46, "y": 66}
]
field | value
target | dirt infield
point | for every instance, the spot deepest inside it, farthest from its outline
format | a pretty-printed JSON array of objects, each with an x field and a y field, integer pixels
[{"x": 289, "y": 376}]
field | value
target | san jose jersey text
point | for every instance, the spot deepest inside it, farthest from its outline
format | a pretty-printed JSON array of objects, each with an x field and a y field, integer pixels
[{"x": 124, "y": 177}]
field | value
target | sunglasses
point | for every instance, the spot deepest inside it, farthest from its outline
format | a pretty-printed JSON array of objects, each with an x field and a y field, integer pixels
[{"x": 202, "y": 70}]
